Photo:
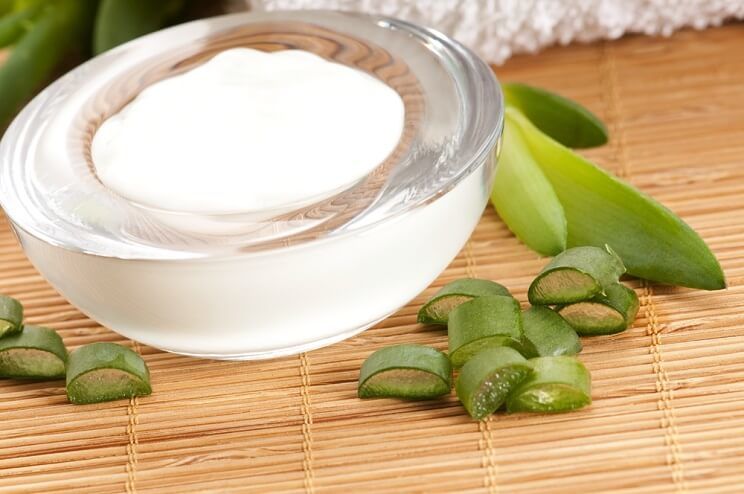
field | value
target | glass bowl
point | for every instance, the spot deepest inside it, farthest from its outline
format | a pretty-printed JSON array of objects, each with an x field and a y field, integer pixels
[{"x": 247, "y": 286}]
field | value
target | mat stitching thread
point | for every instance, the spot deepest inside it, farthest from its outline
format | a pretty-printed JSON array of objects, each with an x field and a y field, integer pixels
[
  {"x": 485, "y": 443},
  {"x": 133, "y": 441},
  {"x": 664, "y": 404},
  {"x": 307, "y": 422}
]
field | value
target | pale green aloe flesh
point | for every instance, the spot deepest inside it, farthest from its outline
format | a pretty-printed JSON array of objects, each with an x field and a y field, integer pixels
[
  {"x": 547, "y": 334},
  {"x": 487, "y": 379},
  {"x": 556, "y": 384},
  {"x": 576, "y": 274},
  {"x": 437, "y": 309},
  {"x": 34, "y": 353},
  {"x": 524, "y": 198},
  {"x": 483, "y": 322},
  {"x": 608, "y": 313},
  {"x": 11, "y": 316},
  {"x": 562, "y": 119},
  {"x": 106, "y": 371},
  {"x": 652, "y": 241},
  {"x": 412, "y": 372}
]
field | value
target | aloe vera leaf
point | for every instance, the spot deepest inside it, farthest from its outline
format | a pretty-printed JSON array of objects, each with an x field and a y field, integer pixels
[
  {"x": 608, "y": 313},
  {"x": 11, "y": 316},
  {"x": 484, "y": 322},
  {"x": 412, "y": 372},
  {"x": 653, "y": 242},
  {"x": 557, "y": 384},
  {"x": 576, "y": 274},
  {"x": 524, "y": 198},
  {"x": 561, "y": 118},
  {"x": 6, "y": 6},
  {"x": 38, "y": 52},
  {"x": 106, "y": 371},
  {"x": 34, "y": 353},
  {"x": 548, "y": 333},
  {"x": 119, "y": 21},
  {"x": 13, "y": 25},
  {"x": 436, "y": 310},
  {"x": 487, "y": 379}
]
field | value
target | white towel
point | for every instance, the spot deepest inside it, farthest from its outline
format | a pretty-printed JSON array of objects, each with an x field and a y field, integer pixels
[{"x": 497, "y": 29}]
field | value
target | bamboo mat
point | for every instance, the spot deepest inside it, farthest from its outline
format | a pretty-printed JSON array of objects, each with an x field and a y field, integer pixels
[{"x": 668, "y": 412}]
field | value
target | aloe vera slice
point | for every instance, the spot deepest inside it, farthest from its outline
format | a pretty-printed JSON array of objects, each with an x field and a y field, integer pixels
[
  {"x": 574, "y": 275},
  {"x": 437, "y": 309},
  {"x": 34, "y": 353},
  {"x": 487, "y": 379},
  {"x": 524, "y": 198},
  {"x": 562, "y": 119},
  {"x": 608, "y": 313},
  {"x": 653, "y": 242},
  {"x": 484, "y": 322},
  {"x": 11, "y": 316},
  {"x": 547, "y": 334},
  {"x": 557, "y": 384},
  {"x": 106, "y": 371},
  {"x": 412, "y": 372}
]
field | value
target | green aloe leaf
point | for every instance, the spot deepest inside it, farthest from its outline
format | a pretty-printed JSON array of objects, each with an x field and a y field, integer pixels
[
  {"x": 653, "y": 242},
  {"x": 523, "y": 196},
  {"x": 562, "y": 119},
  {"x": 119, "y": 21}
]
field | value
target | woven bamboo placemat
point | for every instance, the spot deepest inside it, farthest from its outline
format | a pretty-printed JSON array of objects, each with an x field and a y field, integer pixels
[{"x": 668, "y": 412}]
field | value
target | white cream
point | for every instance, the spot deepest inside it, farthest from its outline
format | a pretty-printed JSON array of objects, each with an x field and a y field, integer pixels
[{"x": 249, "y": 131}]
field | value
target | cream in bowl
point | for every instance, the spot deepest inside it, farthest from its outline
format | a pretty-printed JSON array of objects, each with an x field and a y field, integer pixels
[{"x": 254, "y": 185}]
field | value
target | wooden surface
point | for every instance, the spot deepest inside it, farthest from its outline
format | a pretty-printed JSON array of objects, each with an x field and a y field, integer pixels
[{"x": 668, "y": 412}]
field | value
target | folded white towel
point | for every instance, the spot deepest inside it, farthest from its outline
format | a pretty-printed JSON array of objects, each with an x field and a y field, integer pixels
[{"x": 496, "y": 29}]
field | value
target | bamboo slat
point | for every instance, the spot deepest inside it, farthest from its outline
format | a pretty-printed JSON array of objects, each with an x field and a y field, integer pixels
[{"x": 668, "y": 412}]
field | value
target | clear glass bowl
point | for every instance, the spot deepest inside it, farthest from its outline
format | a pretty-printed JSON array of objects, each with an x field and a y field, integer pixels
[{"x": 245, "y": 286}]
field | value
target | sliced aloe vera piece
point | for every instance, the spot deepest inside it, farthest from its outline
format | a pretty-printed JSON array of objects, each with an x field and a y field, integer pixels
[
  {"x": 562, "y": 119},
  {"x": 608, "y": 313},
  {"x": 557, "y": 384},
  {"x": 547, "y": 334},
  {"x": 574, "y": 275},
  {"x": 487, "y": 379},
  {"x": 484, "y": 322},
  {"x": 412, "y": 372},
  {"x": 437, "y": 309},
  {"x": 11, "y": 316},
  {"x": 524, "y": 198},
  {"x": 106, "y": 371},
  {"x": 34, "y": 353},
  {"x": 653, "y": 242}
]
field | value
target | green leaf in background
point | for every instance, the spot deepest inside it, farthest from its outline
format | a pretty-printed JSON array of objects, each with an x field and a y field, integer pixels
[
  {"x": 562, "y": 119},
  {"x": 5, "y": 6},
  {"x": 15, "y": 24},
  {"x": 119, "y": 21},
  {"x": 653, "y": 242},
  {"x": 58, "y": 27},
  {"x": 524, "y": 198}
]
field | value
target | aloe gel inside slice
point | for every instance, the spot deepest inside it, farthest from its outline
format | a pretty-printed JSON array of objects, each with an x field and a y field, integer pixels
[
  {"x": 591, "y": 317},
  {"x": 454, "y": 294},
  {"x": 106, "y": 385},
  {"x": 563, "y": 285},
  {"x": 547, "y": 398},
  {"x": 30, "y": 363},
  {"x": 404, "y": 383}
]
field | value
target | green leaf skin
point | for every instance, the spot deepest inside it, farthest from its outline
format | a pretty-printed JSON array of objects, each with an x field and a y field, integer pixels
[
  {"x": 11, "y": 316},
  {"x": 548, "y": 333},
  {"x": 411, "y": 372},
  {"x": 562, "y": 119},
  {"x": 557, "y": 384},
  {"x": 437, "y": 309},
  {"x": 524, "y": 198},
  {"x": 119, "y": 21},
  {"x": 653, "y": 242}
]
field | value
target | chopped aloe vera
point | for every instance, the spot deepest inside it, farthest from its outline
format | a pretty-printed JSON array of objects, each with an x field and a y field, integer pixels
[
  {"x": 547, "y": 334},
  {"x": 608, "y": 313},
  {"x": 562, "y": 119},
  {"x": 412, "y": 372},
  {"x": 487, "y": 379},
  {"x": 654, "y": 243},
  {"x": 484, "y": 322},
  {"x": 574, "y": 275},
  {"x": 11, "y": 316},
  {"x": 106, "y": 371},
  {"x": 437, "y": 309},
  {"x": 34, "y": 353},
  {"x": 557, "y": 384},
  {"x": 524, "y": 198}
]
